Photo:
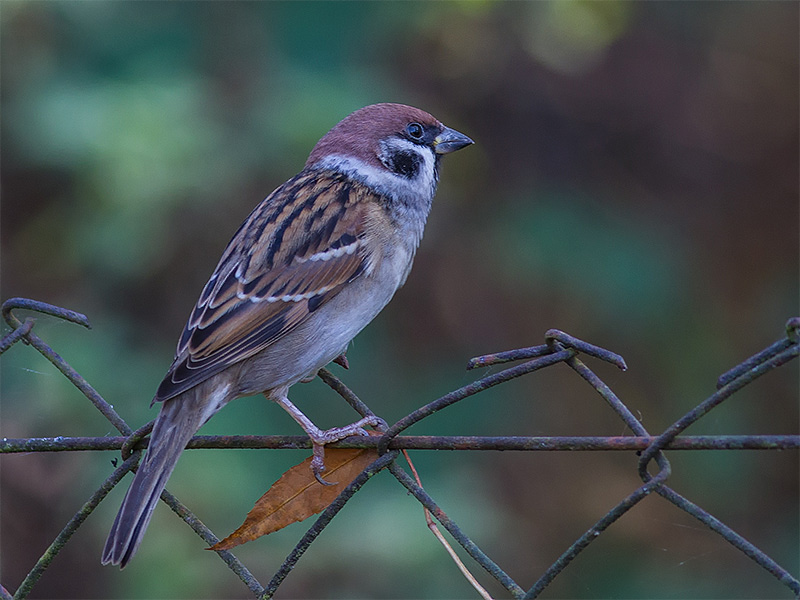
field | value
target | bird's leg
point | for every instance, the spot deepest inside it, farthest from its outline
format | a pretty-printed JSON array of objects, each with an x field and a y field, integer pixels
[{"x": 320, "y": 437}]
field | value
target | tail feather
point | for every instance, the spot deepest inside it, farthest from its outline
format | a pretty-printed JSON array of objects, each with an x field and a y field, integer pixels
[{"x": 179, "y": 419}]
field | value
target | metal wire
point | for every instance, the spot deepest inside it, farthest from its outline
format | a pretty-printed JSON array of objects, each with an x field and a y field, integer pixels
[
  {"x": 421, "y": 442},
  {"x": 558, "y": 347}
]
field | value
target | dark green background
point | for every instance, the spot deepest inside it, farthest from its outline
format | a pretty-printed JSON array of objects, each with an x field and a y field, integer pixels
[{"x": 634, "y": 181}]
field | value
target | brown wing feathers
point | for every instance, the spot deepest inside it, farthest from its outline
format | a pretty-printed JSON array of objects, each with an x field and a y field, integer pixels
[{"x": 256, "y": 296}]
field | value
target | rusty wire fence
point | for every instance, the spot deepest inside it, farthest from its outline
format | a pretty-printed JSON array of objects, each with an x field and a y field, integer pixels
[{"x": 653, "y": 467}]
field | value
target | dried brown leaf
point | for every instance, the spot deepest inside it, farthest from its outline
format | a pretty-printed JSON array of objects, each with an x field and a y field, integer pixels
[{"x": 297, "y": 495}]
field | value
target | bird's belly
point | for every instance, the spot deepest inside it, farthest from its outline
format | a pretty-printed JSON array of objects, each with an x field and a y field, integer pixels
[{"x": 320, "y": 338}]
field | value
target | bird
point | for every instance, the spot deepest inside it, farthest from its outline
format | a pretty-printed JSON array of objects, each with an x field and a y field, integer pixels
[{"x": 306, "y": 271}]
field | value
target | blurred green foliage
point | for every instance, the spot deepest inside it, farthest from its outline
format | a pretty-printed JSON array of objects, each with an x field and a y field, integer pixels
[{"x": 634, "y": 182}]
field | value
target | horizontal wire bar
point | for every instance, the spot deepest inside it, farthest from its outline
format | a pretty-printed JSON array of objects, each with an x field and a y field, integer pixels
[{"x": 421, "y": 442}]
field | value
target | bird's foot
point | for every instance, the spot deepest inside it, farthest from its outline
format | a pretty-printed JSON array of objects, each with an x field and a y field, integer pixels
[{"x": 319, "y": 438}]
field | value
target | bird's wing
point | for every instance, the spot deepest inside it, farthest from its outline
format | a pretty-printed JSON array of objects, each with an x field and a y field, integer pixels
[{"x": 295, "y": 251}]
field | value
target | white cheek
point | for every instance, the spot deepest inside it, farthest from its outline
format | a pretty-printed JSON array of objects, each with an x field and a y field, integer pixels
[{"x": 425, "y": 179}]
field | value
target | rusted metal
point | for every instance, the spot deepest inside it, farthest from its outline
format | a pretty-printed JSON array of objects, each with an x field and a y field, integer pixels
[{"x": 421, "y": 442}]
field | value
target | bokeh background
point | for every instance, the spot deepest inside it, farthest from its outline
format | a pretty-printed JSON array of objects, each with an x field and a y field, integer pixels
[{"x": 634, "y": 182}]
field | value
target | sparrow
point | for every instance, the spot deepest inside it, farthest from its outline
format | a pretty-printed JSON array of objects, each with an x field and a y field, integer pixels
[{"x": 308, "y": 269}]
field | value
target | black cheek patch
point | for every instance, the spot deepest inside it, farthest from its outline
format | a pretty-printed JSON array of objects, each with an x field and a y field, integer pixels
[{"x": 406, "y": 164}]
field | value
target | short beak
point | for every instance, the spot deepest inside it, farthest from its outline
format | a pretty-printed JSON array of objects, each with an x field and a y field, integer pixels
[{"x": 450, "y": 140}]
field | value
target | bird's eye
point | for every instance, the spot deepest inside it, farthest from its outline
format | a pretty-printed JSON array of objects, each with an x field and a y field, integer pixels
[{"x": 415, "y": 130}]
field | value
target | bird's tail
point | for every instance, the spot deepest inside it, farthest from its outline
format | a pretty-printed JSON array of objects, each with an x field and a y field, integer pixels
[{"x": 179, "y": 419}]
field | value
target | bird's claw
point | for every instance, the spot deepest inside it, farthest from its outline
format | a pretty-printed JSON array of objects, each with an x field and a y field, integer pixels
[
  {"x": 318, "y": 464},
  {"x": 320, "y": 438},
  {"x": 341, "y": 360}
]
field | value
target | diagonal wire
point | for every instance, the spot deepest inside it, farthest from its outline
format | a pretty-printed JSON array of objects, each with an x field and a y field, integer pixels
[
  {"x": 71, "y": 527},
  {"x": 471, "y": 547},
  {"x": 626, "y": 504},
  {"x": 18, "y": 334},
  {"x": 200, "y": 528},
  {"x": 76, "y": 378},
  {"x": 735, "y": 539},
  {"x": 725, "y": 392},
  {"x": 469, "y": 390},
  {"x": 324, "y": 519}
]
